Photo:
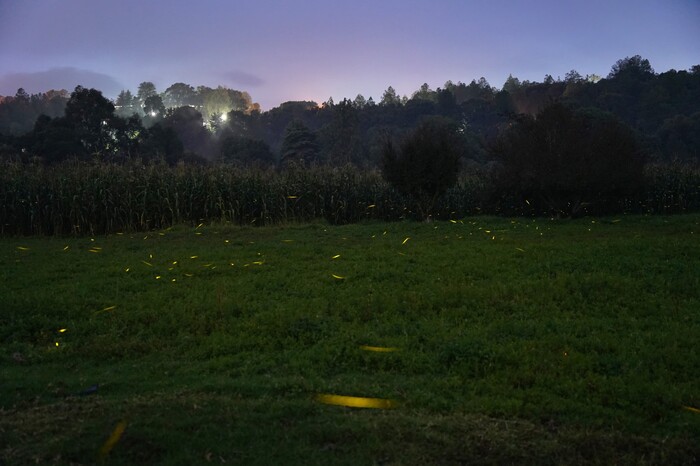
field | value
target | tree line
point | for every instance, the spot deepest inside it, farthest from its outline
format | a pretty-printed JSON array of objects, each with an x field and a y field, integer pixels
[
  {"x": 184, "y": 122},
  {"x": 564, "y": 146}
]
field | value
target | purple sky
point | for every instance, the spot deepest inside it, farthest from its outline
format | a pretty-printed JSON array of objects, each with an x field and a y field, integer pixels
[{"x": 281, "y": 50}]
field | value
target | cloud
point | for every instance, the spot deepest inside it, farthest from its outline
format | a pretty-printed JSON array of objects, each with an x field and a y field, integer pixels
[
  {"x": 58, "y": 78},
  {"x": 243, "y": 78}
]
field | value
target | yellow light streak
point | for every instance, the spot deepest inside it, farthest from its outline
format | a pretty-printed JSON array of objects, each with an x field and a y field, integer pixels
[
  {"x": 691, "y": 409},
  {"x": 23, "y": 248},
  {"x": 338, "y": 277},
  {"x": 147, "y": 263},
  {"x": 355, "y": 401},
  {"x": 406, "y": 240},
  {"x": 371, "y": 206},
  {"x": 66, "y": 248},
  {"x": 378, "y": 349},
  {"x": 62, "y": 330},
  {"x": 112, "y": 440},
  {"x": 336, "y": 256}
]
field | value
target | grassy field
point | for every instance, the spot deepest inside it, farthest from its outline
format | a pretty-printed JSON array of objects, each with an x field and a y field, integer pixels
[{"x": 505, "y": 341}]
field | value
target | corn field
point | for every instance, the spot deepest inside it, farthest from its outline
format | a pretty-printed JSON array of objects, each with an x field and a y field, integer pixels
[{"x": 82, "y": 198}]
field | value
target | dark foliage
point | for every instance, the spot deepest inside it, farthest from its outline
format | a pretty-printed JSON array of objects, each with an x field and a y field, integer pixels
[
  {"x": 161, "y": 143},
  {"x": 299, "y": 144},
  {"x": 188, "y": 124},
  {"x": 563, "y": 162},
  {"x": 246, "y": 152},
  {"x": 425, "y": 164}
]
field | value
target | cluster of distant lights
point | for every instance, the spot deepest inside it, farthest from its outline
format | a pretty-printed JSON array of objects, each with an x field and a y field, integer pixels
[
  {"x": 153, "y": 114},
  {"x": 223, "y": 117}
]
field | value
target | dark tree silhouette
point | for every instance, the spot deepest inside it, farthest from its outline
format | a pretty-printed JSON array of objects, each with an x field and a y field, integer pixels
[
  {"x": 242, "y": 151},
  {"x": 425, "y": 163},
  {"x": 90, "y": 115},
  {"x": 567, "y": 163},
  {"x": 153, "y": 106},
  {"x": 299, "y": 144}
]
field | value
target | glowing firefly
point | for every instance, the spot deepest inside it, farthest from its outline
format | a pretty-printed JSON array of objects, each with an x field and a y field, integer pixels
[
  {"x": 378, "y": 349},
  {"x": 355, "y": 401},
  {"x": 112, "y": 440}
]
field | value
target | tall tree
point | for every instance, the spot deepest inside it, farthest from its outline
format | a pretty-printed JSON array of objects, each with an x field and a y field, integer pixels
[
  {"x": 424, "y": 93},
  {"x": 125, "y": 104},
  {"x": 145, "y": 90},
  {"x": 178, "y": 95},
  {"x": 216, "y": 102},
  {"x": 299, "y": 144},
  {"x": 91, "y": 116},
  {"x": 390, "y": 98},
  {"x": 359, "y": 102},
  {"x": 425, "y": 164},
  {"x": 512, "y": 84},
  {"x": 153, "y": 106},
  {"x": 188, "y": 124},
  {"x": 568, "y": 163},
  {"x": 635, "y": 65},
  {"x": 341, "y": 139},
  {"x": 573, "y": 76}
]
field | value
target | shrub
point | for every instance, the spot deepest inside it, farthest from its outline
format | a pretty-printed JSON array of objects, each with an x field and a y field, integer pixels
[
  {"x": 425, "y": 164},
  {"x": 569, "y": 163}
]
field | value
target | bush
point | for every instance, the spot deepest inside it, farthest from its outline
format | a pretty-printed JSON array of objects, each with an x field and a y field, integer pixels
[
  {"x": 426, "y": 163},
  {"x": 568, "y": 163}
]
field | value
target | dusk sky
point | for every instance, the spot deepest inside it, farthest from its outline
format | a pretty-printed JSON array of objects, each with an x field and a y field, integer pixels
[{"x": 313, "y": 49}]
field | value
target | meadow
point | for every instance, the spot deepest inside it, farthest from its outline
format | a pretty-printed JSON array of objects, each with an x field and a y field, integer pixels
[{"x": 483, "y": 340}]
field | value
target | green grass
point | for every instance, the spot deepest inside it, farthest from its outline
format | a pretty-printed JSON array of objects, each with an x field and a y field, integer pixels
[{"x": 520, "y": 341}]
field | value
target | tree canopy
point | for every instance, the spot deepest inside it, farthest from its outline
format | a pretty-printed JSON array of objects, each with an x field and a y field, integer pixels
[
  {"x": 425, "y": 163},
  {"x": 661, "y": 107}
]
